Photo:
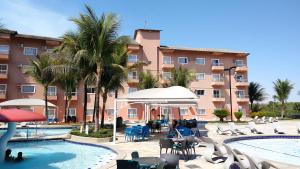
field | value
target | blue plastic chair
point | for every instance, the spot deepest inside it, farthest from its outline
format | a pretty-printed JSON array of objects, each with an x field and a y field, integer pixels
[{"x": 129, "y": 134}]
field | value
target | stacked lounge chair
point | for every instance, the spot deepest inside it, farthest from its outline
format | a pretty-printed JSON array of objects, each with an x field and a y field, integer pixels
[
  {"x": 253, "y": 129},
  {"x": 215, "y": 153},
  {"x": 222, "y": 131},
  {"x": 233, "y": 128},
  {"x": 277, "y": 128}
]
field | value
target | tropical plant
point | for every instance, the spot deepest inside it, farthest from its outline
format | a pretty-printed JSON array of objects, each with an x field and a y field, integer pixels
[
  {"x": 147, "y": 80},
  {"x": 296, "y": 107},
  {"x": 181, "y": 77},
  {"x": 72, "y": 43},
  {"x": 221, "y": 113},
  {"x": 256, "y": 93},
  {"x": 41, "y": 74},
  {"x": 238, "y": 115},
  {"x": 282, "y": 89},
  {"x": 98, "y": 38}
]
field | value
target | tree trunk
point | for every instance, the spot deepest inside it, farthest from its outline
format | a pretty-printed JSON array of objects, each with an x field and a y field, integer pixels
[
  {"x": 282, "y": 109},
  {"x": 66, "y": 106},
  {"x": 179, "y": 113},
  {"x": 251, "y": 106},
  {"x": 46, "y": 103},
  {"x": 104, "y": 97},
  {"x": 84, "y": 105},
  {"x": 97, "y": 99},
  {"x": 69, "y": 98}
]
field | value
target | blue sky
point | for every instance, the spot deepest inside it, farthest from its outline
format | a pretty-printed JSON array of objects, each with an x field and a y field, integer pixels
[{"x": 269, "y": 30}]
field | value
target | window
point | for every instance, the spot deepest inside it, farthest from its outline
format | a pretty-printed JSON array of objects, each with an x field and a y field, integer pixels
[
  {"x": 167, "y": 111},
  {"x": 167, "y": 60},
  {"x": 215, "y": 62},
  {"x": 200, "y": 61},
  {"x": 132, "y": 58},
  {"x": 29, "y": 51},
  {"x": 200, "y": 76},
  {"x": 26, "y": 68},
  {"x": 72, "y": 112},
  {"x": 74, "y": 92},
  {"x": 216, "y": 93},
  {"x": 91, "y": 90},
  {"x": 132, "y": 75},
  {"x": 183, "y": 60},
  {"x": 89, "y": 112},
  {"x": 4, "y": 49},
  {"x": 216, "y": 78},
  {"x": 201, "y": 111},
  {"x": 166, "y": 75},
  {"x": 239, "y": 78},
  {"x": 239, "y": 63},
  {"x": 132, "y": 89},
  {"x": 199, "y": 92},
  {"x": 52, "y": 91},
  {"x": 3, "y": 88},
  {"x": 132, "y": 113},
  {"x": 28, "y": 89},
  {"x": 51, "y": 113},
  {"x": 3, "y": 68},
  {"x": 110, "y": 112},
  {"x": 183, "y": 111},
  {"x": 240, "y": 94}
]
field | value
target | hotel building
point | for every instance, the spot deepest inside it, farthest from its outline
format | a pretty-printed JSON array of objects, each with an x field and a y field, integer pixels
[{"x": 211, "y": 82}]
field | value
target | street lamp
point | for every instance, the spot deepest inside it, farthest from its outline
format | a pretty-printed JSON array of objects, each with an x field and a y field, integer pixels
[{"x": 229, "y": 70}]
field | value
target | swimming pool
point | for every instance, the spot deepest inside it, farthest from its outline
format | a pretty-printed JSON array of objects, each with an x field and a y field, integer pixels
[
  {"x": 59, "y": 154},
  {"x": 280, "y": 149},
  {"x": 39, "y": 131}
]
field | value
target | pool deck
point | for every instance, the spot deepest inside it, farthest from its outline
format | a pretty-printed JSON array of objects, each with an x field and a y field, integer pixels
[{"x": 151, "y": 147}]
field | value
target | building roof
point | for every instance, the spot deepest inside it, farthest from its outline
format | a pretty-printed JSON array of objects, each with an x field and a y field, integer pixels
[
  {"x": 203, "y": 50},
  {"x": 37, "y": 37},
  {"x": 147, "y": 30},
  {"x": 8, "y": 31}
]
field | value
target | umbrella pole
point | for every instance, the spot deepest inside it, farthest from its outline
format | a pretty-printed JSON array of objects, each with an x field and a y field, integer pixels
[{"x": 11, "y": 130}]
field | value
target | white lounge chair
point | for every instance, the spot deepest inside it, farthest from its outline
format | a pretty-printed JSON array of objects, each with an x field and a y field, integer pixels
[
  {"x": 254, "y": 164},
  {"x": 232, "y": 156},
  {"x": 298, "y": 128},
  {"x": 214, "y": 153},
  {"x": 233, "y": 128},
  {"x": 222, "y": 131},
  {"x": 253, "y": 129},
  {"x": 277, "y": 128}
]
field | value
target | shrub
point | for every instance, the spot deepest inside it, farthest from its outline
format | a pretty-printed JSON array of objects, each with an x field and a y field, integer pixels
[
  {"x": 221, "y": 114},
  {"x": 102, "y": 133},
  {"x": 238, "y": 115}
]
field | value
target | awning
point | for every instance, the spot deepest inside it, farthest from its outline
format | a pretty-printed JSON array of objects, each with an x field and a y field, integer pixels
[
  {"x": 169, "y": 96},
  {"x": 25, "y": 102},
  {"x": 18, "y": 115}
]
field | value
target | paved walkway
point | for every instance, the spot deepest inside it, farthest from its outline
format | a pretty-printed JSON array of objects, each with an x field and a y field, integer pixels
[{"x": 151, "y": 147}]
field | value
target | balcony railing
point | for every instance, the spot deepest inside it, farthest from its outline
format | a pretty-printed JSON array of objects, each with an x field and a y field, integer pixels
[
  {"x": 218, "y": 98},
  {"x": 242, "y": 98},
  {"x": 217, "y": 66},
  {"x": 241, "y": 67}
]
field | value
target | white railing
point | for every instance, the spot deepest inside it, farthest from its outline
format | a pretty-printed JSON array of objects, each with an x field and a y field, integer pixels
[{"x": 216, "y": 64}]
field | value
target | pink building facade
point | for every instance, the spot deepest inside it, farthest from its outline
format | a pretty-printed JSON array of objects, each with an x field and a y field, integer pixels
[{"x": 211, "y": 82}]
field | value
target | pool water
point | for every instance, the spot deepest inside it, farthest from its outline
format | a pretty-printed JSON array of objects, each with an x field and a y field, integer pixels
[
  {"x": 58, "y": 154},
  {"x": 281, "y": 150},
  {"x": 39, "y": 131}
]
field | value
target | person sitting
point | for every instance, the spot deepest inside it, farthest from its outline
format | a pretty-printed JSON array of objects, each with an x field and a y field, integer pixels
[
  {"x": 8, "y": 156},
  {"x": 19, "y": 157}
]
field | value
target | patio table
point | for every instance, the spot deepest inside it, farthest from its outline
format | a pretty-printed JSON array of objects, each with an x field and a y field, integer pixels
[{"x": 149, "y": 162}]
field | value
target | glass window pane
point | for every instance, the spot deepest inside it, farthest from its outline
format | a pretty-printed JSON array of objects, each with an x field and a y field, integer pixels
[
  {"x": 132, "y": 113},
  {"x": 27, "y": 89},
  {"x": 167, "y": 60},
  {"x": 4, "y": 49},
  {"x": 132, "y": 58},
  {"x": 200, "y": 61},
  {"x": 29, "y": 51},
  {"x": 200, "y": 76}
]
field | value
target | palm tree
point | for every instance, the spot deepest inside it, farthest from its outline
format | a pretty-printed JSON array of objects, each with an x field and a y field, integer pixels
[
  {"x": 181, "y": 77},
  {"x": 39, "y": 71},
  {"x": 147, "y": 81},
  {"x": 72, "y": 43},
  {"x": 256, "y": 93},
  {"x": 282, "y": 89},
  {"x": 98, "y": 36}
]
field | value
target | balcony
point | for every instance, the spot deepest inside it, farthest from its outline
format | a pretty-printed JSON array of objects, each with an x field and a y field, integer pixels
[
  {"x": 168, "y": 65},
  {"x": 241, "y": 68},
  {"x": 241, "y": 82},
  {"x": 4, "y": 56},
  {"x": 217, "y": 82},
  {"x": 2, "y": 95},
  {"x": 133, "y": 80},
  {"x": 242, "y": 99},
  {"x": 217, "y": 67},
  {"x": 74, "y": 97},
  {"x": 3, "y": 74},
  {"x": 52, "y": 97},
  {"x": 218, "y": 98}
]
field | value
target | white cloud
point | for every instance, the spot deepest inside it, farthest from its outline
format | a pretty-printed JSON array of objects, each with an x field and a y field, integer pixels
[{"x": 28, "y": 18}]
